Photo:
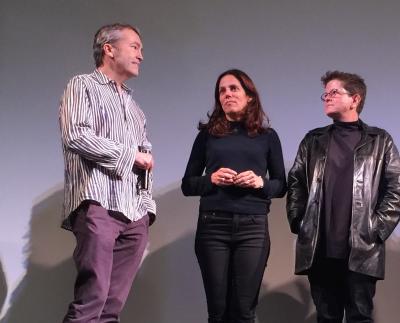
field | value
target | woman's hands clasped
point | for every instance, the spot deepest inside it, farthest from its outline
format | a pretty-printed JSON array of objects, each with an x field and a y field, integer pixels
[
  {"x": 223, "y": 177},
  {"x": 227, "y": 176},
  {"x": 248, "y": 179}
]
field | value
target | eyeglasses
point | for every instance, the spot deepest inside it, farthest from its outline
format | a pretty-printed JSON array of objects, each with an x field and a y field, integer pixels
[{"x": 333, "y": 94}]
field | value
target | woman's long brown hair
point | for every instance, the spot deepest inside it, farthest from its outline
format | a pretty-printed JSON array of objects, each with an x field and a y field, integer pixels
[{"x": 254, "y": 119}]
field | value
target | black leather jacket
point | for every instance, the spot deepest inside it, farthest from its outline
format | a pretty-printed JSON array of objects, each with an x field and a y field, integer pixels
[{"x": 375, "y": 205}]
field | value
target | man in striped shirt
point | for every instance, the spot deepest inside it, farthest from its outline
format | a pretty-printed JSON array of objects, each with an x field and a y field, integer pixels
[{"x": 106, "y": 205}]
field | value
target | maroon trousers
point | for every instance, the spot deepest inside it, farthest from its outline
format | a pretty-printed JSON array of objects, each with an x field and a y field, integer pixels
[{"x": 108, "y": 252}]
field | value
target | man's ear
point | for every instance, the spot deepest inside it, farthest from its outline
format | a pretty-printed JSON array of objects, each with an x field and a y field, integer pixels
[
  {"x": 356, "y": 101},
  {"x": 108, "y": 50}
]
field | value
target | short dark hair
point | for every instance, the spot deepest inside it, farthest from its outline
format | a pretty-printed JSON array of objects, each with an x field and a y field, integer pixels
[
  {"x": 352, "y": 83},
  {"x": 255, "y": 119},
  {"x": 108, "y": 34}
]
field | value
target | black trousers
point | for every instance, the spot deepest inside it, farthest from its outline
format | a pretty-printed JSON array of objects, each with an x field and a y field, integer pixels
[
  {"x": 232, "y": 251},
  {"x": 336, "y": 290}
]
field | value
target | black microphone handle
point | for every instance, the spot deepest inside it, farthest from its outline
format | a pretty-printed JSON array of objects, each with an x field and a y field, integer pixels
[
  {"x": 146, "y": 179},
  {"x": 145, "y": 148}
]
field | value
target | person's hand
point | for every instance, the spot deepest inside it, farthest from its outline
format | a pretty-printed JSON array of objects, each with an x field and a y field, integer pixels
[
  {"x": 223, "y": 177},
  {"x": 144, "y": 160},
  {"x": 248, "y": 179}
]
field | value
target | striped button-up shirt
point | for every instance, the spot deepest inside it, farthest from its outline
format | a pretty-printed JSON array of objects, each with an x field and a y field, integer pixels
[{"x": 101, "y": 131}]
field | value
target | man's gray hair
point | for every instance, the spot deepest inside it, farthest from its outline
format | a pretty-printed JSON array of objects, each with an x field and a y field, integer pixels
[{"x": 108, "y": 34}]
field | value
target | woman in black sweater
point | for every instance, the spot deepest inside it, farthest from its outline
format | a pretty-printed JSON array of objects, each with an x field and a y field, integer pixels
[{"x": 228, "y": 167}]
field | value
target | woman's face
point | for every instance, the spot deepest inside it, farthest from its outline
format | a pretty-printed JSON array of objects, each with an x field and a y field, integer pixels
[{"x": 233, "y": 98}]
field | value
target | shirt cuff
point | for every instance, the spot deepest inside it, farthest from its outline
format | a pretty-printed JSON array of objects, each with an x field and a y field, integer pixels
[{"x": 125, "y": 162}]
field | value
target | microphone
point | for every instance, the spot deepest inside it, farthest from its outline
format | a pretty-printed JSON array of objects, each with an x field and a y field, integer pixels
[{"x": 144, "y": 183}]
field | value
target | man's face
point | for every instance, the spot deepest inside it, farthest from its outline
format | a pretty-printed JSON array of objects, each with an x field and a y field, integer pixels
[
  {"x": 338, "y": 103},
  {"x": 127, "y": 53}
]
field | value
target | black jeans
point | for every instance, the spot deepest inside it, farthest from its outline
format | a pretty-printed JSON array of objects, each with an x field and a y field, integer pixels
[
  {"x": 336, "y": 290},
  {"x": 232, "y": 251}
]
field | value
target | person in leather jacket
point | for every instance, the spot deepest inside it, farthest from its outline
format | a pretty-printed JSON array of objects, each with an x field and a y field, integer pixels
[{"x": 343, "y": 202}]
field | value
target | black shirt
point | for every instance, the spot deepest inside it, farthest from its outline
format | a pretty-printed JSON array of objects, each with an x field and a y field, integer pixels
[
  {"x": 338, "y": 188},
  {"x": 262, "y": 154}
]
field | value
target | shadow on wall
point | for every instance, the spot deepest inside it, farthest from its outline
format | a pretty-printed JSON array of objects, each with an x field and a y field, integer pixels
[
  {"x": 387, "y": 292},
  {"x": 46, "y": 289},
  {"x": 168, "y": 288},
  {"x": 168, "y": 283},
  {"x": 3, "y": 287},
  {"x": 284, "y": 298},
  {"x": 280, "y": 306}
]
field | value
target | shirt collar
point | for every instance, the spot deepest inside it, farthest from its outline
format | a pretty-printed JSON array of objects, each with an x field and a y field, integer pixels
[
  {"x": 341, "y": 125},
  {"x": 363, "y": 126},
  {"x": 104, "y": 79}
]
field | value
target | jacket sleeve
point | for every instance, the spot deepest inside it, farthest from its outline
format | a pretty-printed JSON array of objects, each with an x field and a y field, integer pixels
[
  {"x": 387, "y": 210},
  {"x": 194, "y": 182},
  {"x": 297, "y": 195}
]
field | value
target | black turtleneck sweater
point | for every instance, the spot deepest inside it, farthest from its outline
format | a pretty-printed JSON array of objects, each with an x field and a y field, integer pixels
[
  {"x": 338, "y": 189},
  {"x": 262, "y": 154}
]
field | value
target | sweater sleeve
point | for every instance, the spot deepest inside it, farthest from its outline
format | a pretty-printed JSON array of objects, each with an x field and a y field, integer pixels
[
  {"x": 275, "y": 185},
  {"x": 195, "y": 182}
]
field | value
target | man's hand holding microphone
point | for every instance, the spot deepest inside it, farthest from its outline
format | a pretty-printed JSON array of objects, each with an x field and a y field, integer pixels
[{"x": 144, "y": 161}]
